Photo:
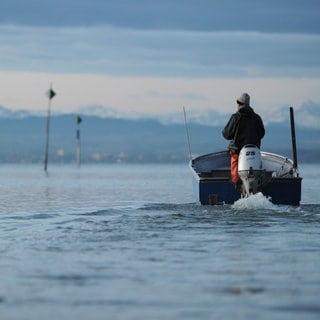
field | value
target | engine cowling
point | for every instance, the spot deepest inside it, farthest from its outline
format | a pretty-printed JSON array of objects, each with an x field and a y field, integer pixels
[{"x": 250, "y": 169}]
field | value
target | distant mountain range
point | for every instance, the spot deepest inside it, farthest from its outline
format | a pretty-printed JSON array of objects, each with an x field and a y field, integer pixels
[{"x": 22, "y": 139}]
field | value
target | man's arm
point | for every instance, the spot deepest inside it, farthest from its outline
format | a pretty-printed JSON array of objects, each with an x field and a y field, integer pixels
[{"x": 229, "y": 130}]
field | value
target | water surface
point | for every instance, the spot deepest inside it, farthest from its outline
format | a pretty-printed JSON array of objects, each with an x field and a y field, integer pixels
[{"x": 129, "y": 242}]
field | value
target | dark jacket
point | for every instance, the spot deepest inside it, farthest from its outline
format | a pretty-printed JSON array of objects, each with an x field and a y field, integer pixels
[{"x": 251, "y": 129}]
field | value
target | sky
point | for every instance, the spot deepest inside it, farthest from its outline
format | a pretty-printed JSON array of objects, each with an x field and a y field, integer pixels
[{"x": 147, "y": 57}]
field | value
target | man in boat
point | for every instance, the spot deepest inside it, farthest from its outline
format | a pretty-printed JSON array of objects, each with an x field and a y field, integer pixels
[{"x": 244, "y": 127}]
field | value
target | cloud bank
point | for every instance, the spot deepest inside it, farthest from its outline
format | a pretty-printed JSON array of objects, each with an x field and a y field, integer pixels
[
  {"x": 151, "y": 57},
  {"x": 118, "y": 51}
]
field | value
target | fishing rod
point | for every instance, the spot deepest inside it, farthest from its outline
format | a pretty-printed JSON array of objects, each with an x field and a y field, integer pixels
[{"x": 187, "y": 133}]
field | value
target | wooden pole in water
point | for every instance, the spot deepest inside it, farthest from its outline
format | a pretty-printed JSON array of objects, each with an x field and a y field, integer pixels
[
  {"x": 293, "y": 138},
  {"x": 78, "y": 146},
  {"x": 50, "y": 95}
]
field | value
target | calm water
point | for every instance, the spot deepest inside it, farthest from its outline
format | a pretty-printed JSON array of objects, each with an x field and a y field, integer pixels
[{"x": 128, "y": 242}]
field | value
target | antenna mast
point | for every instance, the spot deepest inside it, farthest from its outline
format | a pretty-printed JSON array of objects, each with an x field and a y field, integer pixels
[{"x": 187, "y": 132}]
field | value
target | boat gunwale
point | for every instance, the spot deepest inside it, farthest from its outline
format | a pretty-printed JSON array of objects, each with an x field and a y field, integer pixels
[{"x": 267, "y": 156}]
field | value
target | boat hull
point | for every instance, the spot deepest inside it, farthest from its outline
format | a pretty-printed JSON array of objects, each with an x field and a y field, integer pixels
[
  {"x": 280, "y": 191},
  {"x": 212, "y": 184}
]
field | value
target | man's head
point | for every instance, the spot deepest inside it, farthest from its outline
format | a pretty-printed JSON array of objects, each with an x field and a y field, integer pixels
[{"x": 243, "y": 100}]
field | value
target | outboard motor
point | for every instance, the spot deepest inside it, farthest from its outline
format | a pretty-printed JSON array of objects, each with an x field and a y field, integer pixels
[{"x": 250, "y": 169}]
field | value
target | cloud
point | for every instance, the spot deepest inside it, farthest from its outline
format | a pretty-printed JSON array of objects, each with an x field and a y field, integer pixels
[
  {"x": 141, "y": 71},
  {"x": 309, "y": 113},
  {"x": 201, "y": 15},
  {"x": 117, "y": 51}
]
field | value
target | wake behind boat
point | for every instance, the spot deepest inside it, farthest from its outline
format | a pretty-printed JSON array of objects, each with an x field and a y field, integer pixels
[{"x": 274, "y": 175}]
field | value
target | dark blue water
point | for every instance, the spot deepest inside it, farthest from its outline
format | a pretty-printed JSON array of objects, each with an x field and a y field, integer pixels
[{"x": 128, "y": 242}]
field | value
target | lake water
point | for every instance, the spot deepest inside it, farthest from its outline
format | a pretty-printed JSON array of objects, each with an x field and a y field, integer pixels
[{"x": 129, "y": 242}]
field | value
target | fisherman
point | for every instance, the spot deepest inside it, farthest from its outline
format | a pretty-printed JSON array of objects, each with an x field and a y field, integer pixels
[{"x": 244, "y": 127}]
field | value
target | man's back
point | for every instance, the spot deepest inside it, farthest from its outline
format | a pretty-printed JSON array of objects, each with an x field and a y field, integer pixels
[{"x": 251, "y": 129}]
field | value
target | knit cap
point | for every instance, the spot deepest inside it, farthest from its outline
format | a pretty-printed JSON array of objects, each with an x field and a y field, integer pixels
[{"x": 244, "y": 99}]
